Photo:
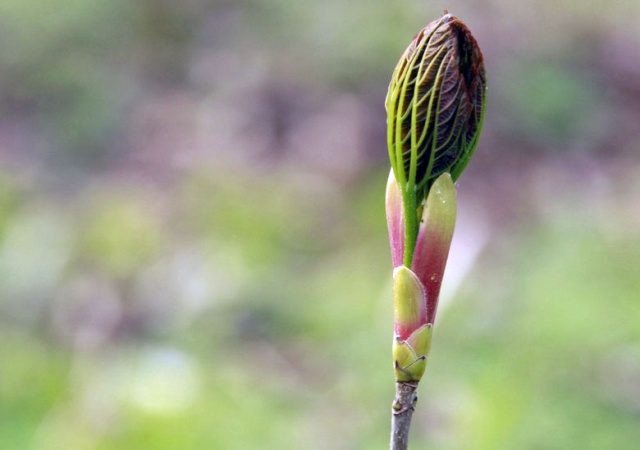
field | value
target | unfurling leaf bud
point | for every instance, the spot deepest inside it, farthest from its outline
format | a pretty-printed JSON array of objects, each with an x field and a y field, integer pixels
[
  {"x": 435, "y": 110},
  {"x": 435, "y": 105}
]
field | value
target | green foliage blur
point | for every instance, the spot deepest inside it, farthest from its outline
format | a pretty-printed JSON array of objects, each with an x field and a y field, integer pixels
[{"x": 193, "y": 252}]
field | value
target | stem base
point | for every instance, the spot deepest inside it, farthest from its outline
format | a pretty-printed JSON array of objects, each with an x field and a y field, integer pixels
[{"x": 402, "y": 412}]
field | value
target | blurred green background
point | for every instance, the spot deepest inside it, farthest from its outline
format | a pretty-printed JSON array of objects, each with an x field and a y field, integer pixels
[{"x": 193, "y": 252}]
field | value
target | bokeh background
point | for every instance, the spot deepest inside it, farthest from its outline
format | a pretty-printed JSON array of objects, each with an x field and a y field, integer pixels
[{"x": 193, "y": 252}]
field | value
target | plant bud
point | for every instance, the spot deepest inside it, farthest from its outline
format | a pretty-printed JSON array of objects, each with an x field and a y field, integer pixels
[{"x": 435, "y": 106}]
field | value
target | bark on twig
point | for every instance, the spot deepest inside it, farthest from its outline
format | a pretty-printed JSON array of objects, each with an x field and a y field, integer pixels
[{"x": 402, "y": 412}]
